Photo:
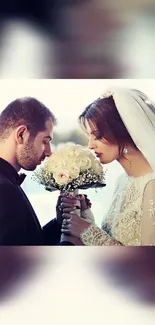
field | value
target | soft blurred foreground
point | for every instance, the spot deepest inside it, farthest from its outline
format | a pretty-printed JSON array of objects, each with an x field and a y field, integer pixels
[
  {"x": 77, "y": 39},
  {"x": 77, "y": 285}
]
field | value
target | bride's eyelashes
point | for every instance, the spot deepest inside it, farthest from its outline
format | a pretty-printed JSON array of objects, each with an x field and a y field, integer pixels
[
  {"x": 100, "y": 138},
  {"x": 97, "y": 136}
]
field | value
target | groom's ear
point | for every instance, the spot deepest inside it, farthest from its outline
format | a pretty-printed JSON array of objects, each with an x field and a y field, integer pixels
[{"x": 21, "y": 134}]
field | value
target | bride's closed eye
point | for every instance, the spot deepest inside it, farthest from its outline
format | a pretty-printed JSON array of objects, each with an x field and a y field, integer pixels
[{"x": 97, "y": 136}]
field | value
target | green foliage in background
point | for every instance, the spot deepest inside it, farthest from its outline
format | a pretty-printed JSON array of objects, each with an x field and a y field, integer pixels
[{"x": 75, "y": 136}]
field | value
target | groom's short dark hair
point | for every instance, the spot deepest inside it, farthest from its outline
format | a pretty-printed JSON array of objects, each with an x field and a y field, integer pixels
[{"x": 28, "y": 111}]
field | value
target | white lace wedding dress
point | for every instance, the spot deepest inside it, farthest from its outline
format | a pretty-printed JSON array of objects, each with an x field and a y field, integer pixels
[{"x": 131, "y": 217}]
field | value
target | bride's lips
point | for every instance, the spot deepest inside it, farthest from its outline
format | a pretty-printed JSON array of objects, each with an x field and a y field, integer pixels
[{"x": 98, "y": 154}]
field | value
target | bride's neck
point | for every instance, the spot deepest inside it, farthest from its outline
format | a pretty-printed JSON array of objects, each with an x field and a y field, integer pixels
[{"x": 135, "y": 164}]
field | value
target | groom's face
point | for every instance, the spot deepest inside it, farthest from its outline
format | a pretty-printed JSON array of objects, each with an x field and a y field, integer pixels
[{"x": 35, "y": 150}]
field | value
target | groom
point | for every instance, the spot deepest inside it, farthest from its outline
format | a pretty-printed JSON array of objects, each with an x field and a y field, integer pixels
[{"x": 26, "y": 129}]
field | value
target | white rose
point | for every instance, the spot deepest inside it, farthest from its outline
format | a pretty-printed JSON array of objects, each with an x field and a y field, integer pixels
[
  {"x": 97, "y": 166},
  {"x": 74, "y": 171},
  {"x": 56, "y": 163},
  {"x": 91, "y": 155},
  {"x": 85, "y": 163},
  {"x": 75, "y": 152},
  {"x": 61, "y": 176}
]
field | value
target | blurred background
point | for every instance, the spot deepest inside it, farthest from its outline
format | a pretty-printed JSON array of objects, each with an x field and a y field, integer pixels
[
  {"x": 77, "y": 39},
  {"x": 67, "y": 99}
]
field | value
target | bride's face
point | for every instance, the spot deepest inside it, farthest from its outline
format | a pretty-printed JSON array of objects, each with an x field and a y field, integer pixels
[{"x": 103, "y": 149}]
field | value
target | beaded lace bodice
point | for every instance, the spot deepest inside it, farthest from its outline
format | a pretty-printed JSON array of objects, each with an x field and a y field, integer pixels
[{"x": 131, "y": 217}]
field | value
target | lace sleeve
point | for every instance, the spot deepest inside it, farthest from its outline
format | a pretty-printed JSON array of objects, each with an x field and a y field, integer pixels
[
  {"x": 148, "y": 215},
  {"x": 88, "y": 215},
  {"x": 94, "y": 236}
]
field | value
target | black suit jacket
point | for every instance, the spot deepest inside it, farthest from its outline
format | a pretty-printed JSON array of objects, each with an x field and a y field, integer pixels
[{"x": 19, "y": 224}]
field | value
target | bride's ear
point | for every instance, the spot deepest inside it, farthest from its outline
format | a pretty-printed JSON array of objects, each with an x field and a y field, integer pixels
[
  {"x": 21, "y": 134},
  {"x": 121, "y": 148}
]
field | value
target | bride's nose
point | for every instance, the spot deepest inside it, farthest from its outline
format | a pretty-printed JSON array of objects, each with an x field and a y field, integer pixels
[{"x": 91, "y": 144}]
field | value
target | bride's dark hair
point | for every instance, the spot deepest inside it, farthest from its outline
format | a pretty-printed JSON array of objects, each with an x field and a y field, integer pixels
[{"x": 103, "y": 117}]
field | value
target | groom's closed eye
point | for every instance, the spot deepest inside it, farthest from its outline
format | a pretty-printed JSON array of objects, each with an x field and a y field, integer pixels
[
  {"x": 45, "y": 142},
  {"x": 48, "y": 138}
]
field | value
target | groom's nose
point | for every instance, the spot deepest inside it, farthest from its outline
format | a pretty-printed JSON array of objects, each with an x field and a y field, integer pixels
[{"x": 48, "y": 151}]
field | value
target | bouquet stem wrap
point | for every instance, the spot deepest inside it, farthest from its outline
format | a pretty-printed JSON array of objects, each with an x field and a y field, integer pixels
[{"x": 78, "y": 204}]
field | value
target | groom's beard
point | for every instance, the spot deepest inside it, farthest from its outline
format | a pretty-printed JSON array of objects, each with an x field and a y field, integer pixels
[{"x": 27, "y": 157}]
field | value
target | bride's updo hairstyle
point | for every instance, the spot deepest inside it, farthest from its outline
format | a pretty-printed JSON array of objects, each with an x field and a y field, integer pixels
[{"x": 105, "y": 122}]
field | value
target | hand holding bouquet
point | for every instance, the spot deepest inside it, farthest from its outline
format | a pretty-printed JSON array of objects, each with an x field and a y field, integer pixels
[{"x": 69, "y": 169}]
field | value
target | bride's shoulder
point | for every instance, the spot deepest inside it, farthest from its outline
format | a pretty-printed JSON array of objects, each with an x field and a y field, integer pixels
[
  {"x": 149, "y": 179},
  {"x": 140, "y": 183}
]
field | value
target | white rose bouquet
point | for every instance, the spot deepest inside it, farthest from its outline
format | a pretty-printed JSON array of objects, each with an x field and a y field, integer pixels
[{"x": 70, "y": 168}]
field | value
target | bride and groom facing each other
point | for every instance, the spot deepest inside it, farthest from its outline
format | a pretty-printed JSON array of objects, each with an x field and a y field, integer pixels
[{"x": 120, "y": 126}]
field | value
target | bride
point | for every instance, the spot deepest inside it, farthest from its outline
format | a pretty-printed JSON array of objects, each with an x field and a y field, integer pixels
[{"x": 120, "y": 126}]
